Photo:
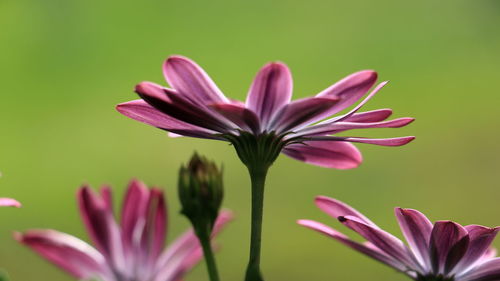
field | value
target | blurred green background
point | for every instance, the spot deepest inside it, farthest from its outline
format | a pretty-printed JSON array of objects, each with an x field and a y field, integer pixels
[{"x": 64, "y": 65}]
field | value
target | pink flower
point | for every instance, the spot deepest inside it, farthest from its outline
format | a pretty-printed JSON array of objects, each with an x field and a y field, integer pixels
[
  {"x": 443, "y": 251},
  {"x": 195, "y": 107},
  {"x": 129, "y": 250}
]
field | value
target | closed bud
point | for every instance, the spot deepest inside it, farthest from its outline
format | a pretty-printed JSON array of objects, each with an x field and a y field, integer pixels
[{"x": 201, "y": 191}]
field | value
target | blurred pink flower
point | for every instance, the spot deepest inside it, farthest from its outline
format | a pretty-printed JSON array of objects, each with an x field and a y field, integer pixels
[
  {"x": 195, "y": 107},
  {"x": 9, "y": 202},
  {"x": 131, "y": 250},
  {"x": 443, "y": 251}
]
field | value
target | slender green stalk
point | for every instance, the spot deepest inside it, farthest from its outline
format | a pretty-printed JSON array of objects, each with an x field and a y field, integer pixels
[
  {"x": 258, "y": 178},
  {"x": 204, "y": 238}
]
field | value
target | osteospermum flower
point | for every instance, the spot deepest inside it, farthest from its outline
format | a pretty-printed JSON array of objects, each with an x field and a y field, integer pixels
[
  {"x": 195, "y": 107},
  {"x": 443, "y": 251},
  {"x": 132, "y": 250}
]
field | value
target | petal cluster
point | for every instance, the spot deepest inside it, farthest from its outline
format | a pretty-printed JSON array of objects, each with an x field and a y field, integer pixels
[
  {"x": 194, "y": 106},
  {"x": 132, "y": 249},
  {"x": 444, "y": 250}
]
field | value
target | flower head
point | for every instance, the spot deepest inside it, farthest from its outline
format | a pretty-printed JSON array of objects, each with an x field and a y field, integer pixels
[
  {"x": 302, "y": 129},
  {"x": 131, "y": 250},
  {"x": 443, "y": 251}
]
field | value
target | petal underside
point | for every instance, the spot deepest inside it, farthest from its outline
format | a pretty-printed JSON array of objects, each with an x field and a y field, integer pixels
[
  {"x": 328, "y": 154},
  {"x": 190, "y": 80},
  {"x": 417, "y": 230},
  {"x": 175, "y": 105},
  {"x": 350, "y": 89},
  {"x": 372, "y": 252},
  {"x": 143, "y": 112},
  {"x": 336, "y": 208},
  {"x": 270, "y": 91},
  {"x": 383, "y": 240},
  {"x": 69, "y": 253}
]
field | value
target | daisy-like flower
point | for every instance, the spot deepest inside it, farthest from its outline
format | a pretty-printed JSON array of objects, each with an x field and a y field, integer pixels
[
  {"x": 132, "y": 250},
  {"x": 443, "y": 251},
  {"x": 268, "y": 122}
]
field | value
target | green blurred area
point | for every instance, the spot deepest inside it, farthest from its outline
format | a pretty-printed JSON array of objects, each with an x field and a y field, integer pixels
[{"x": 64, "y": 65}]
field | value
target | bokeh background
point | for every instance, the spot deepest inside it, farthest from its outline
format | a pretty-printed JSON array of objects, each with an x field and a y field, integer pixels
[{"x": 64, "y": 65}]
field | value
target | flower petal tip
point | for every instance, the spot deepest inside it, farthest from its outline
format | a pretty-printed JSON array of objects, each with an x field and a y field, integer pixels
[
  {"x": 18, "y": 236},
  {"x": 368, "y": 74},
  {"x": 226, "y": 215},
  {"x": 176, "y": 58},
  {"x": 305, "y": 222},
  {"x": 9, "y": 202},
  {"x": 277, "y": 65},
  {"x": 408, "y": 139}
]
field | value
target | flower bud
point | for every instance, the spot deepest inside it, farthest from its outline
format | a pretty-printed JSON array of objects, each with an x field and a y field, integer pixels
[{"x": 200, "y": 191}]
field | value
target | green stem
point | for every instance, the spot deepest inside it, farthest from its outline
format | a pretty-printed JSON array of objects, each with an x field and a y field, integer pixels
[
  {"x": 204, "y": 238},
  {"x": 258, "y": 178}
]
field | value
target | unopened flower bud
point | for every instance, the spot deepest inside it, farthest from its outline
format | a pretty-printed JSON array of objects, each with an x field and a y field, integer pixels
[{"x": 200, "y": 191}]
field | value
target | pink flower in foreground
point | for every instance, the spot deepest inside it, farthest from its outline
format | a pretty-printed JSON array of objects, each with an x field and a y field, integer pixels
[
  {"x": 195, "y": 107},
  {"x": 129, "y": 251},
  {"x": 443, "y": 251}
]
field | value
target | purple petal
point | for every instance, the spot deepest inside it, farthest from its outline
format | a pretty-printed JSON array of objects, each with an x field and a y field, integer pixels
[
  {"x": 336, "y": 209},
  {"x": 300, "y": 112},
  {"x": 67, "y": 252},
  {"x": 384, "y": 142},
  {"x": 239, "y": 115},
  {"x": 143, "y": 112},
  {"x": 328, "y": 154},
  {"x": 190, "y": 80},
  {"x": 417, "y": 231},
  {"x": 9, "y": 202},
  {"x": 448, "y": 244},
  {"x": 184, "y": 251},
  {"x": 372, "y": 252},
  {"x": 488, "y": 254},
  {"x": 101, "y": 225},
  {"x": 153, "y": 237},
  {"x": 357, "y": 107},
  {"x": 225, "y": 216},
  {"x": 386, "y": 242},
  {"x": 178, "y": 107},
  {"x": 270, "y": 90},
  {"x": 336, "y": 127},
  {"x": 180, "y": 247},
  {"x": 133, "y": 212},
  {"x": 370, "y": 116},
  {"x": 181, "y": 266},
  {"x": 481, "y": 238},
  {"x": 350, "y": 89},
  {"x": 488, "y": 271},
  {"x": 107, "y": 197}
]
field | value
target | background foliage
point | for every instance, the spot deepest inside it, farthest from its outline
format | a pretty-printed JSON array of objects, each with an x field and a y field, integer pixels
[{"x": 65, "y": 64}]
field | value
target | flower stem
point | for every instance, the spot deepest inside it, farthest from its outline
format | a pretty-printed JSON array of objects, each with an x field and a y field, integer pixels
[
  {"x": 204, "y": 237},
  {"x": 258, "y": 178}
]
